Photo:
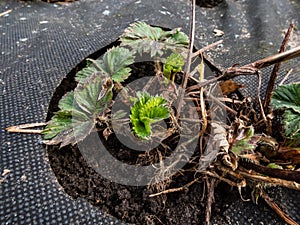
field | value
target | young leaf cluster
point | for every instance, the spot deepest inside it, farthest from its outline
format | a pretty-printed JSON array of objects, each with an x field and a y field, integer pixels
[
  {"x": 173, "y": 65},
  {"x": 146, "y": 111},
  {"x": 243, "y": 141}
]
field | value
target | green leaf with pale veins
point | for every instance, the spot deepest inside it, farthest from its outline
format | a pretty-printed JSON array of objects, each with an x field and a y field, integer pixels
[
  {"x": 79, "y": 110},
  {"x": 173, "y": 65},
  {"x": 59, "y": 122},
  {"x": 86, "y": 72},
  {"x": 146, "y": 111},
  {"x": 291, "y": 121},
  {"x": 66, "y": 103},
  {"x": 115, "y": 63},
  {"x": 287, "y": 98},
  {"x": 144, "y": 38}
]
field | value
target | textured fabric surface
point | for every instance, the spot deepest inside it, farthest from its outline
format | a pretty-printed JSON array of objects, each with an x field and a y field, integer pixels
[{"x": 40, "y": 43}]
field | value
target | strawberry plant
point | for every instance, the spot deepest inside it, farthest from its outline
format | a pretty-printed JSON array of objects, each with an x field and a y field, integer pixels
[
  {"x": 238, "y": 152},
  {"x": 89, "y": 103}
]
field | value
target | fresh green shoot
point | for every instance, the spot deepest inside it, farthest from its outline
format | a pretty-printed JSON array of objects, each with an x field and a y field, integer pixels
[
  {"x": 243, "y": 141},
  {"x": 173, "y": 65},
  {"x": 146, "y": 111},
  {"x": 274, "y": 166}
]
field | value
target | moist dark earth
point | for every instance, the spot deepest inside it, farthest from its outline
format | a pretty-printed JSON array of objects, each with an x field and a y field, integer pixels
[{"x": 128, "y": 203}]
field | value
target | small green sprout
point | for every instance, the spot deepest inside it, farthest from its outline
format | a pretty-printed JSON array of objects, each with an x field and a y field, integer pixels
[
  {"x": 146, "y": 111},
  {"x": 243, "y": 142},
  {"x": 173, "y": 65}
]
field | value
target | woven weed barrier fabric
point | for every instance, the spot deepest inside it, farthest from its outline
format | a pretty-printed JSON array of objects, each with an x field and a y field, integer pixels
[{"x": 41, "y": 42}]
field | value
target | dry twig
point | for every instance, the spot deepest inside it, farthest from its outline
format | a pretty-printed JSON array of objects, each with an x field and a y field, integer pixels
[
  {"x": 187, "y": 67},
  {"x": 174, "y": 189},
  {"x": 6, "y": 12},
  {"x": 250, "y": 69},
  {"x": 206, "y": 48},
  {"x": 258, "y": 97},
  {"x": 210, "y": 198},
  {"x": 291, "y": 175},
  {"x": 257, "y": 178},
  {"x": 277, "y": 209},
  {"x": 276, "y": 68},
  {"x": 24, "y": 128},
  {"x": 288, "y": 73}
]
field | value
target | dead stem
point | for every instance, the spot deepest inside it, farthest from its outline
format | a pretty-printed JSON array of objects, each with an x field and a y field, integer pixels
[
  {"x": 280, "y": 57},
  {"x": 286, "y": 77},
  {"x": 256, "y": 178},
  {"x": 191, "y": 120},
  {"x": 276, "y": 208},
  {"x": 270, "y": 180},
  {"x": 276, "y": 68},
  {"x": 258, "y": 97},
  {"x": 6, "y": 12},
  {"x": 250, "y": 69},
  {"x": 290, "y": 175},
  {"x": 187, "y": 67},
  {"x": 23, "y": 128},
  {"x": 215, "y": 175},
  {"x": 203, "y": 112},
  {"x": 191, "y": 46},
  {"x": 230, "y": 100},
  {"x": 174, "y": 189},
  {"x": 204, "y": 118},
  {"x": 220, "y": 103},
  {"x": 206, "y": 48},
  {"x": 210, "y": 183}
]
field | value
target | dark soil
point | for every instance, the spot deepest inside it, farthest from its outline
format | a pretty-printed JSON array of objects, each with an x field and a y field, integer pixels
[
  {"x": 128, "y": 203},
  {"x": 208, "y": 3}
]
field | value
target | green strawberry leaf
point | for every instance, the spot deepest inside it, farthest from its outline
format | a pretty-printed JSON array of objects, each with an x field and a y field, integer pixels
[
  {"x": 146, "y": 111},
  {"x": 287, "y": 98},
  {"x": 144, "y": 38},
  {"x": 79, "y": 110},
  {"x": 86, "y": 72},
  {"x": 115, "y": 63},
  {"x": 291, "y": 121}
]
